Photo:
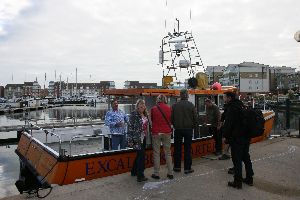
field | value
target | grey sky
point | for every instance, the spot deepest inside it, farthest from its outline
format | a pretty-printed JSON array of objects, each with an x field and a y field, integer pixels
[{"x": 119, "y": 40}]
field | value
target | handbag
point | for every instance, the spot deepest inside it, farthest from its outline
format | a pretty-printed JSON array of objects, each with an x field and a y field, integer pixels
[{"x": 164, "y": 116}]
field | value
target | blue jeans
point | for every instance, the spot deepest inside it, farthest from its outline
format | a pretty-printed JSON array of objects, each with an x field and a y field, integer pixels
[
  {"x": 139, "y": 162},
  {"x": 117, "y": 140},
  {"x": 187, "y": 135}
]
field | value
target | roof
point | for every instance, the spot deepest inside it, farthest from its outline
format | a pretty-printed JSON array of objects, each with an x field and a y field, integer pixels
[{"x": 167, "y": 92}]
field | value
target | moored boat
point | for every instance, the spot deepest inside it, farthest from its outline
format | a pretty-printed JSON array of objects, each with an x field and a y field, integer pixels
[{"x": 83, "y": 156}]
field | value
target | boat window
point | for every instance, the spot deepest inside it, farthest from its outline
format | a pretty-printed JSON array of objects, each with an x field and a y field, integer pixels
[{"x": 220, "y": 102}]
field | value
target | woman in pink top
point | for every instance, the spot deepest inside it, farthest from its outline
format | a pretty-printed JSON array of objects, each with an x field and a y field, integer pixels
[{"x": 137, "y": 132}]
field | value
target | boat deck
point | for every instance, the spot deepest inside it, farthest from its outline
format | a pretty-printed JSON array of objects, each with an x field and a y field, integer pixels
[{"x": 87, "y": 146}]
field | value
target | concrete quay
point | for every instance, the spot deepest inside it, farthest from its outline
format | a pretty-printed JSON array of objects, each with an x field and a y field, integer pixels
[{"x": 276, "y": 164}]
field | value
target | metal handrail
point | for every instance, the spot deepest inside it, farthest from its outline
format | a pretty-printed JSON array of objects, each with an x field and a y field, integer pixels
[
  {"x": 47, "y": 132},
  {"x": 200, "y": 125},
  {"x": 87, "y": 136}
]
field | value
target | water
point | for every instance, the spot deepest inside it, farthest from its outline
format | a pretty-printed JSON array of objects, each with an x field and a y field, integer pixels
[
  {"x": 280, "y": 122},
  {"x": 9, "y": 171},
  {"x": 9, "y": 162}
]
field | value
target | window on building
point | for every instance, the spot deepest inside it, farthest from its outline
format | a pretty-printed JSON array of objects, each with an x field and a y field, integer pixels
[
  {"x": 256, "y": 75},
  {"x": 250, "y": 75}
]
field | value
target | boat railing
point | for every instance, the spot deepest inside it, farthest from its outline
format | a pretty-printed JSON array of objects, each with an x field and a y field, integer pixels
[
  {"x": 200, "y": 134},
  {"x": 60, "y": 150},
  {"x": 102, "y": 136}
]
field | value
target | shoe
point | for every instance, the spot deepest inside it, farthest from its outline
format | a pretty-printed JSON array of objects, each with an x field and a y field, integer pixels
[
  {"x": 231, "y": 170},
  {"x": 176, "y": 169},
  {"x": 224, "y": 157},
  {"x": 218, "y": 153},
  {"x": 248, "y": 181},
  {"x": 235, "y": 184},
  {"x": 188, "y": 171},
  {"x": 141, "y": 179},
  {"x": 155, "y": 176},
  {"x": 170, "y": 176}
]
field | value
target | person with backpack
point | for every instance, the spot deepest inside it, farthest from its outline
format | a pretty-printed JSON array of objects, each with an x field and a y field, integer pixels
[
  {"x": 161, "y": 134},
  {"x": 239, "y": 141}
]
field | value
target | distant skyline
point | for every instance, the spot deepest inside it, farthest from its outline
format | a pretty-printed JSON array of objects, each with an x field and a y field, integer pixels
[{"x": 119, "y": 40}]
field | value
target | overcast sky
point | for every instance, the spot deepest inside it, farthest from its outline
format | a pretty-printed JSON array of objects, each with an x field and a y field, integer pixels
[{"x": 119, "y": 40}]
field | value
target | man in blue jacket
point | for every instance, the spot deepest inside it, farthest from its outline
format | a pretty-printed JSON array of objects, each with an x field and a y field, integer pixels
[{"x": 115, "y": 119}]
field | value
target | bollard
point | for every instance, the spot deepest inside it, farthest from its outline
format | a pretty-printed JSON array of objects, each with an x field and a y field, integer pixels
[{"x": 288, "y": 103}]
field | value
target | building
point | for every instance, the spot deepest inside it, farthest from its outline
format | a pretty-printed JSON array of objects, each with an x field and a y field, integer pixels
[
  {"x": 13, "y": 91},
  {"x": 249, "y": 77},
  {"x": 62, "y": 89},
  {"x": 44, "y": 93},
  {"x": 231, "y": 75},
  {"x": 31, "y": 89},
  {"x": 214, "y": 73},
  {"x": 27, "y": 88},
  {"x": 137, "y": 84},
  {"x": 279, "y": 78},
  {"x": 104, "y": 85},
  {"x": 294, "y": 81}
]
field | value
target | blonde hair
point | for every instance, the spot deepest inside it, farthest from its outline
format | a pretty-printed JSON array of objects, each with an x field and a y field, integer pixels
[
  {"x": 161, "y": 98},
  {"x": 141, "y": 101}
]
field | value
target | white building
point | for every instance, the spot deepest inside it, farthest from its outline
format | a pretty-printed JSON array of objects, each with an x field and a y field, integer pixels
[{"x": 249, "y": 77}]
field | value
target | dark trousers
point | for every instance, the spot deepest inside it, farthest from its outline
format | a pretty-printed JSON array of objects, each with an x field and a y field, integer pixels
[
  {"x": 217, "y": 135},
  {"x": 118, "y": 140},
  {"x": 187, "y": 135},
  {"x": 139, "y": 162},
  {"x": 240, "y": 153}
]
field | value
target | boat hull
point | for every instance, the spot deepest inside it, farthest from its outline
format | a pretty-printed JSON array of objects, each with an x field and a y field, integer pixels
[{"x": 54, "y": 169}]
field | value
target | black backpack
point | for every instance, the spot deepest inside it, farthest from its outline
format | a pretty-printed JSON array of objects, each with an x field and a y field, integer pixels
[{"x": 253, "y": 122}]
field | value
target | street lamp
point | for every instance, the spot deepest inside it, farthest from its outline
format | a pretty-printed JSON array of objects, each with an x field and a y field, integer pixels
[{"x": 297, "y": 36}]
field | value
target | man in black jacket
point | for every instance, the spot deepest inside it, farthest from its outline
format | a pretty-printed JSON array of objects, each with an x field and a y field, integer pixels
[
  {"x": 184, "y": 120},
  {"x": 234, "y": 133}
]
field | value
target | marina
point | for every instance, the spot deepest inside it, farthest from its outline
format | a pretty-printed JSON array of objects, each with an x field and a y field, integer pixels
[
  {"x": 82, "y": 105},
  {"x": 60, "y": 116},
  {"x": 80, "y": 149}
]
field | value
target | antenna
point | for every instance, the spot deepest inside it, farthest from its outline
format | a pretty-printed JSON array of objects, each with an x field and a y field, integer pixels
[
  {"x": 166, "y": 15},
  {"x": 191, "y": 19},
  {"x": 177, "y": 25}
]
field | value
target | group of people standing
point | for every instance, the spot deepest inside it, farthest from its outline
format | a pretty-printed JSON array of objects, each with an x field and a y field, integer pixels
[
  {"x": 182, "y": 117},
  {"x": 160, "y": 122}
]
